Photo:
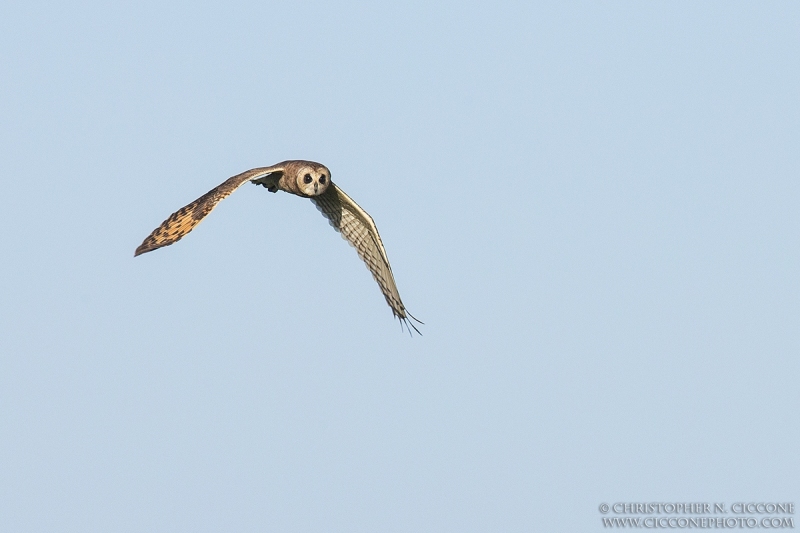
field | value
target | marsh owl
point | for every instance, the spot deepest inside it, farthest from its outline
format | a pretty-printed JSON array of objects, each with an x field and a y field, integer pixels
[{"x": 308, "y": 180}]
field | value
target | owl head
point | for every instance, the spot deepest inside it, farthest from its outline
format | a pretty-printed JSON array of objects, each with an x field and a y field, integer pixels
[{"x": 312, "y": 181}]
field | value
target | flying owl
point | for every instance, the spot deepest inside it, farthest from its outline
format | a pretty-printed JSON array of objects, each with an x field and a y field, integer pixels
[{"x": 307, "y": 180}]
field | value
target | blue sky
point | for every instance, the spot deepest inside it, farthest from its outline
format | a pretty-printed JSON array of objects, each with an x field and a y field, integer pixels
[{"x": 592, "y": 206}]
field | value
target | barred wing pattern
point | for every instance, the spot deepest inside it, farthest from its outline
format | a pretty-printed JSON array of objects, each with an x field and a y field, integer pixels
[
  {"x": 186, "y": 218},
  {"x": 358, "y": 228}
]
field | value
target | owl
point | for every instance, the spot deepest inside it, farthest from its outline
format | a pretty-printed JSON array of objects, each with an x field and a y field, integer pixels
[{"x": 307, "y": 180}]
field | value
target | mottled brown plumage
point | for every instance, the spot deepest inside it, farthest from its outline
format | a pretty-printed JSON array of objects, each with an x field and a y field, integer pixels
[
  {"x": 308, "y": 180},
  {"x": 187, "y": 217}
]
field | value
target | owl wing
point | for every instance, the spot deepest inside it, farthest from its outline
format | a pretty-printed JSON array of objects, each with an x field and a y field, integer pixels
[
  {"x": 358, "y": 228},
  {"x": 186, "y": 218}
]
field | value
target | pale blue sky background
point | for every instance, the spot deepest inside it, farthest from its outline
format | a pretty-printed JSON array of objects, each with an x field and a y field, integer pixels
[{"x": 593, "y": 207}]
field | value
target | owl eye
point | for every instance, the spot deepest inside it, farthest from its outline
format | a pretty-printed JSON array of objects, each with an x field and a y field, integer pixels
[
  {"x": 307, "y": 178},
  {"x": 322, "y": 179}
]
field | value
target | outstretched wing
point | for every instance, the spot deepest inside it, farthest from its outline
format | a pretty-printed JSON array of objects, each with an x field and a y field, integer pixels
[
  {"x": 358, "y": 228},
  {"x": 186, "y": 218}
]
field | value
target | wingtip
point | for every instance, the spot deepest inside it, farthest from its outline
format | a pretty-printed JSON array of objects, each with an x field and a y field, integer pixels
[
  {"x": 418, "y": 321},
  {"x": 143, "y": 249},
  {"x": 410, "y": 325}
]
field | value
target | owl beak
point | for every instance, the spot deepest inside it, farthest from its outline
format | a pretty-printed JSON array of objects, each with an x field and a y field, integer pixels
[{"x": 316, "y": 186}]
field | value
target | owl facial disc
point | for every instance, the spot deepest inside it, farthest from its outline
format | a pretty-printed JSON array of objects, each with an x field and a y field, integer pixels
[{"x": 313, "y": 181}]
